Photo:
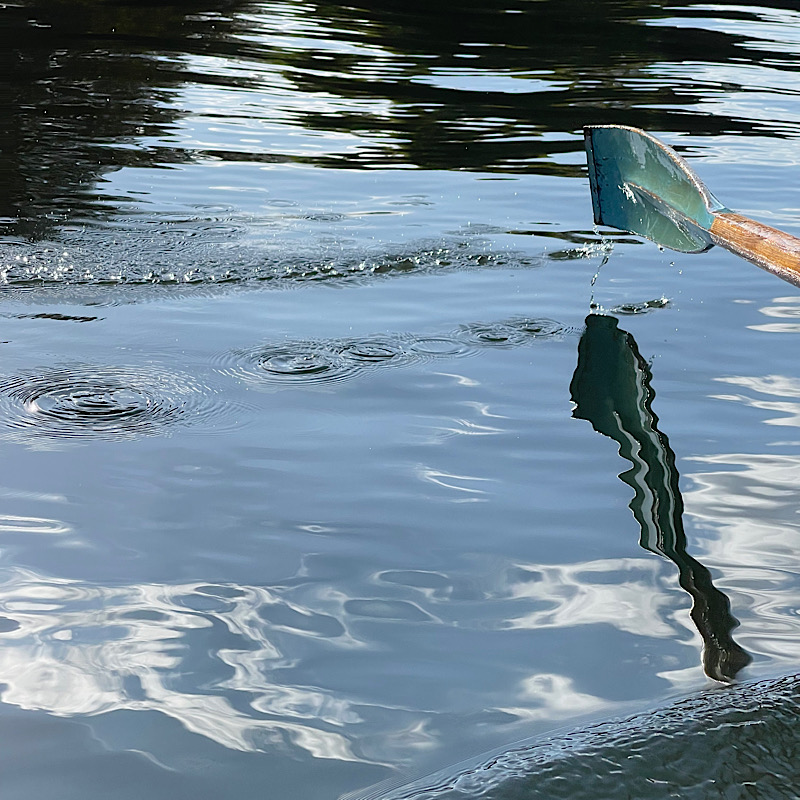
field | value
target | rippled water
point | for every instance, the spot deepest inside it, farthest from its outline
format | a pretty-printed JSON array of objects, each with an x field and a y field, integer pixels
[
  {"x": 340, "y": 449},
  {"x": 741, "y": 742},
  {"x": 293, "y": 363}
]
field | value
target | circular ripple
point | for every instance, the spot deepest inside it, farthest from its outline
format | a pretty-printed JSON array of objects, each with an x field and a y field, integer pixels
[
  {"x": 377, "y": 351},
  {"x": 440, "y": 346},
  {"x": 511, "y": 332},
  {"x": 80, "y": 401},
  {"x": 294, "y": 363},
  {"x": 538, "y": 328},
  {"x": 498, "y": 334}
]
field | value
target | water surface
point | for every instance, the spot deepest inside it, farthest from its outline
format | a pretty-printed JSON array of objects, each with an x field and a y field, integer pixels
[{"x": 307, "y": 482}]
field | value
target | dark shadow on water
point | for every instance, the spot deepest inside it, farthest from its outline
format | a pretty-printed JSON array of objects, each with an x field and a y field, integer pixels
[{"x": 612, "y": 390}]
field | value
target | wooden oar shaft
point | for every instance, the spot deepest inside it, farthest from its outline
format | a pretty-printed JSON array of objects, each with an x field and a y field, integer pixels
[{"x": 773, "y": 250}]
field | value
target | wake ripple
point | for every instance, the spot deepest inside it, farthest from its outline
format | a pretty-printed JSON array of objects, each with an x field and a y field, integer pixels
[
  {"x": 311, "y": 362},
  {"x": 738, "y": 741}
]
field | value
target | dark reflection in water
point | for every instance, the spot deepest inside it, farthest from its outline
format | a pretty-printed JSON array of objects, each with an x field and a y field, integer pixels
[
  {"x": 54, "y": 316},
  {"x": 452, "y": 72},
  {"x": 500, "y": 85},
  {"x": 611, "y": 389},
  {"x": 86, "y": 85}
]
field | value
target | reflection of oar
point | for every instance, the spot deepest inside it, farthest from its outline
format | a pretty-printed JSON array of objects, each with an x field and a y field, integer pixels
[
  {"x": 640, "y": 185},
  {"x": 611, "y": 389}
]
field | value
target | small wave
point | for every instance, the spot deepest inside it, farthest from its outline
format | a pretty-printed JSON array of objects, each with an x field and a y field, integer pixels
[
  {"x": 292, "y": 363},
  {"x": 77, "y": 401},
  {"x": 716, "y": 738},
  {"x": 629, "y": 309},
  {"x": 378, "y": 351},
  {"x": 10, "y": 523},
  {"x": 511, "y": 333},
  {"x": 323, "y": 362}
]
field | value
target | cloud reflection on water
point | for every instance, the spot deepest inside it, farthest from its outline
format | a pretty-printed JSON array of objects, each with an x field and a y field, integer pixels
[
  {"x": 219, "y": 658},
  {"x": 622, "y": 592},
  {"x": 550, "y": 697},
  {"x": 751, "y": 502},
  {"x": 83, "y": 650}
]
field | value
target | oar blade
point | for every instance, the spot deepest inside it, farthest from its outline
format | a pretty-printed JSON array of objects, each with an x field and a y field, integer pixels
[{"x": 640, "y": 185}]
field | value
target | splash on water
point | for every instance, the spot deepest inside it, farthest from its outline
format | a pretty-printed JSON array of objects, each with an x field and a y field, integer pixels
[{"x": 629, "y": 309}]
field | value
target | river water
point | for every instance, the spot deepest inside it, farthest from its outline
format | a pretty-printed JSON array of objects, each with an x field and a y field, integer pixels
[{"x": 339, "y": 447}]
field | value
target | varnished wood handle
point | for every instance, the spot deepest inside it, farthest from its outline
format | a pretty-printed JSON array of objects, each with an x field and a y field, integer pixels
[{"x": 769, "y": 248}]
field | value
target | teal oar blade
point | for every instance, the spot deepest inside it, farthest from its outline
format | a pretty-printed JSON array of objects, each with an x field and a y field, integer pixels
[{"x": 640, "y": 185}]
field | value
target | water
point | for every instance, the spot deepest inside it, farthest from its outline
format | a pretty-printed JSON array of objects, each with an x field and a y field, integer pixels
[
  {"x": 739, "y": 743},
  {"x": 307, "y": 482}
]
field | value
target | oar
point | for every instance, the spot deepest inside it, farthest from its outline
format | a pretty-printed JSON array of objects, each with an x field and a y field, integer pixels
[{"x": 640, "y": 185}]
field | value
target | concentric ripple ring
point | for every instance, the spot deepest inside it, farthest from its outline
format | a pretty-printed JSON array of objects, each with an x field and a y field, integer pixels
[
  {"x": 510, "y": 333},
  {"x": 78, "y": 401},
  {"x": 378, "y": 351},
  {"x": 293, "y": 363}
]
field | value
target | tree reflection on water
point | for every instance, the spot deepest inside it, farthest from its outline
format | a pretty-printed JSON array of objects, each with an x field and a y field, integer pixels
[{"x": 491, "y": 86}]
